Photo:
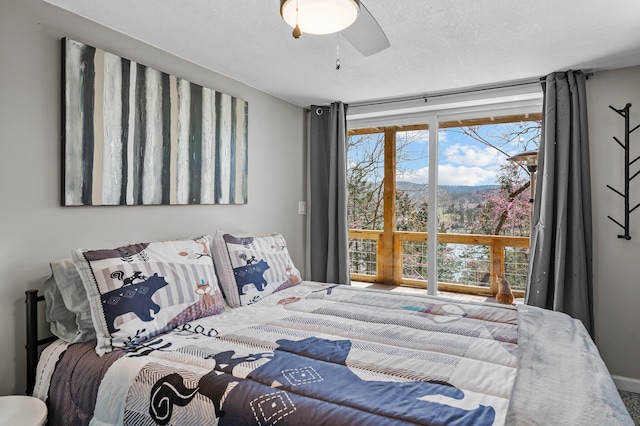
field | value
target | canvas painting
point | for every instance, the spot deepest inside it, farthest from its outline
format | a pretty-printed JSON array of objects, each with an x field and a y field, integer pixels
[{"x": 134, "y": 135}]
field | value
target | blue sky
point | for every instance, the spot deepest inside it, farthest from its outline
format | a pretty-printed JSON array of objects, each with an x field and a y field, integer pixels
[{"x": 461, "y": 161}]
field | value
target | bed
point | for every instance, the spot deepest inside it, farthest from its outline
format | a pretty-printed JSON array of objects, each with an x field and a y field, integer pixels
[{"x": 320, "y": 353}]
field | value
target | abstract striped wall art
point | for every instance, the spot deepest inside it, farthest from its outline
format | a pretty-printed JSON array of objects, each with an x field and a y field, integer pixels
[{"x": 134, "y": 135}]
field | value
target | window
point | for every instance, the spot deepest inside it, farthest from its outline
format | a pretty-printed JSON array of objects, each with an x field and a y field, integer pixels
[{"x": 482, "y": 203}]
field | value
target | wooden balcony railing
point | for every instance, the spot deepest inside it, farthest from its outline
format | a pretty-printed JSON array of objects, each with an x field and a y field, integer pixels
[{"x": 470, "y": 262}]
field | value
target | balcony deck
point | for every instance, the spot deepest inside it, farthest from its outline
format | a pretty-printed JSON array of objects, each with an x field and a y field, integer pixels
[{"x": 400, "y": 261}]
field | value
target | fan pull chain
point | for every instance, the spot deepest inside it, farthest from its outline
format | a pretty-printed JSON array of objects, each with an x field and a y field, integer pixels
[
  {"x": 338, "y": 53},
  {"x": 297, "y": 32}
]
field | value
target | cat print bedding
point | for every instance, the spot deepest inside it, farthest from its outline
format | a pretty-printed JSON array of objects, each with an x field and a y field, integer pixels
[{"x": 328, "y": 354}]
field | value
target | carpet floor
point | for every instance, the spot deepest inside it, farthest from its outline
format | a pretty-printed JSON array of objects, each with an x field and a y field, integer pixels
[{"x": 632, "y": 402}]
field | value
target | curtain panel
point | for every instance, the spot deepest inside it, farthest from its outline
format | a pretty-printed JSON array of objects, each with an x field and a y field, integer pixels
[
  {"x": 328, "y": 228},
  {"x": 560, "y": 264}
]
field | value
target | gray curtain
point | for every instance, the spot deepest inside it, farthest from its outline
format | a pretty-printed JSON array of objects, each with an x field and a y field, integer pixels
[
  {"x": 328, "y": 230},
  {"x": 560, "y": 264}
]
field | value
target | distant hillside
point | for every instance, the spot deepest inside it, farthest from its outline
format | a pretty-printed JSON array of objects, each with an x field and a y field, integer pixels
[
  {"x": 418, "y": 191},
  {"x": 453, "y": 189},
  {"x": 411, "y": 186}
]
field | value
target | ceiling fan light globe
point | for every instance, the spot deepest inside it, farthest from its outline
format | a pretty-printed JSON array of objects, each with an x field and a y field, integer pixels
[{"x": 319, "y": 16}]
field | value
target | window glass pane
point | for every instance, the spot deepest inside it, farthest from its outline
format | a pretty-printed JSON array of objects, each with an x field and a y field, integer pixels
[
  {"x": 412, "y": 173},
  {"x": 414, "y": 260},
  {"x": 479, "y": 190},
  {"x": 463, "y": 264},
  {"x": 365, "y": 173},
  {"x": 365, "y": 210},
  {"x": 412, "y": 198},
  {"x": 515, "y": 267},
  {"x": 363, "y": 257}
]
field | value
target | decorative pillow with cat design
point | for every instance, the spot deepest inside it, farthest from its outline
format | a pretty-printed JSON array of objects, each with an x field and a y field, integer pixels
[
  {"x": 251, "y": 268},
  {"x": 140, "y": 290}
]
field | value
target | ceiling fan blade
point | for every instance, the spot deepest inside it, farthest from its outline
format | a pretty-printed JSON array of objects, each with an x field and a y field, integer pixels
[{"x": 365, "y": 34}]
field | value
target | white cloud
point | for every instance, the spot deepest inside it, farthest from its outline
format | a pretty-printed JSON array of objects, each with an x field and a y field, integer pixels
[
  {"x": 449, "y": 174},
  {"x": 473, "y": 156},
  {"x": 416, "y": 176}
]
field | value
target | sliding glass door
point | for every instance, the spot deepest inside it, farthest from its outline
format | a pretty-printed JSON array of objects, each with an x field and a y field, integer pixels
[{"x": 441, "y": 201}]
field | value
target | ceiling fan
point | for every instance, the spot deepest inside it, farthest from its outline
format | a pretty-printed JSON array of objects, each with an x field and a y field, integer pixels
[{"x": 349, "y": 17}]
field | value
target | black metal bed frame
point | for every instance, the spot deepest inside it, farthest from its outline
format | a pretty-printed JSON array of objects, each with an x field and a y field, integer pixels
[{"x": 33, "y": 342}]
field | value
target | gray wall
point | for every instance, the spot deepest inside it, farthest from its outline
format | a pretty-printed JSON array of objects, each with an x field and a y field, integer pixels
[
  {"x": 35, "y": 229},
  {"x": 616, "y": 262}
]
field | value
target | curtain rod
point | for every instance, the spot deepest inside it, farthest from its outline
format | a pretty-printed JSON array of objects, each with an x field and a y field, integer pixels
[{"x": 426, "y": 96}]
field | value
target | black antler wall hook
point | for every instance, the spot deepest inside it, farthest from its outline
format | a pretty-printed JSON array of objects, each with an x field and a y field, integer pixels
[{"x": 624, "y": 112}]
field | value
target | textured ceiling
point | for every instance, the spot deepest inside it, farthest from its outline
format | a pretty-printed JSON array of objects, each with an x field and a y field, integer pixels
[{"x": 436, "y": 45}]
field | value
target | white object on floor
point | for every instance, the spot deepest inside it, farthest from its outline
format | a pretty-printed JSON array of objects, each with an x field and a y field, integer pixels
[{"x": 22, "y": 410}]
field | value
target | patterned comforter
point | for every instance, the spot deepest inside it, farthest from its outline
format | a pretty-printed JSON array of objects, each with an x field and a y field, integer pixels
[{"x": 324, "y": 354}]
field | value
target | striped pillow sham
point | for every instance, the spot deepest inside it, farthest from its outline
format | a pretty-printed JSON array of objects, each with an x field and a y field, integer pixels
[
  {"x": 252, "y": 267},
  {"x": 140, "y": 290}
]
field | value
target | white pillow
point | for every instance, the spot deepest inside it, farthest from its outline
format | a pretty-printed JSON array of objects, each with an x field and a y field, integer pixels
[
  {"x": 62, "y": 322},
  {"x": 68, "y": 308}
]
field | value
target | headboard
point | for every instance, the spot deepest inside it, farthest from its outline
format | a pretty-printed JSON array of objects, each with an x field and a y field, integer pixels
[{"x": 33, "y": 342}]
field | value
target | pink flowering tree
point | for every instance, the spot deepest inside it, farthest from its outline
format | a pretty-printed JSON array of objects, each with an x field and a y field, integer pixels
[{"x": 507, "y": 209}]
